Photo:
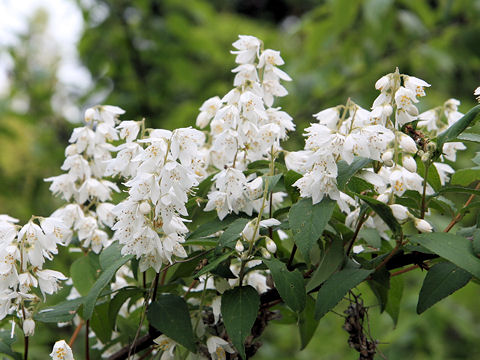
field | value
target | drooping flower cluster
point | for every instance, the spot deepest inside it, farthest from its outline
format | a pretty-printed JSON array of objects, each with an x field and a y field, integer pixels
[
  {"x": 149, "y": 222},
  {"x": 244, "y": 127},
  {"x": 88, "y": 161},
  {"x": 23, "y": 251}
]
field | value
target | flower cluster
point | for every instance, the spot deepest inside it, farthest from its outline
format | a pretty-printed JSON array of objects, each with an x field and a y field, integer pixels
[
  {"x": 244, "y": 127},
  {"x": 149, "y": 222},
  {"x": 88, "y": 161},
  {"x": 23, "y": 251}
]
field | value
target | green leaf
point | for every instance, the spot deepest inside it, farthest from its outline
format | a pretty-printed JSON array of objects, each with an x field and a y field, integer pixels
[
  {"x": 212, "y": 265},
  {"x": 117, "y": 301},
  {"x": 232, "y": 233},
  {"x": 170, "y": 315},
  {"x": 453, "y": 248},
  {"x": 290, "y": 284},
  {"x": 308, "y": 221},
  {"x": 239, "y": 310},
  {"x": 469, "y": 137},
  {"x": 289, "y": 178},
  {"x": 6, "y": 345},
  {"x": 110, "y": 254},
  {"x": 84, "y": 272},
  {"x": 383, "y": 211},
  {"x": 476, "y": 242},
  {"x": 62, "y": 312},
  {"x": 331, "y": 261},
  {"x": 442, "y": 280},
  {"x": 457, "y": 128},
  {"x": 307, "y": 323},
  {"x": 394, "y": 298},
  {"x": 100, "y": 284},
  {"x": 465, "y": 177},
  {"x": 335, "y": 288},
  {"x": 432, "y": 178},
  {"x": 100, "y": 323},
  {"x": 458, "y": 189},
  {"x": 380, "y": 285},
  {"x": 371, "y": 237},
  {"x": 345, "y": 171},
  {"x": 272, "y": 181},
  {"x": 211, "y": 227}
]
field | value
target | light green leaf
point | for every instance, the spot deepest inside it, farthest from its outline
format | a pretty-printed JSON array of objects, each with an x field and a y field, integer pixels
[
  {"x": 465, "y": 177},
  {"x": 62, "y": 312},
  {"x": 331, "y": 261},
  {"x": 170, "y": 315},
  {"x": 335, "y": 288},
  {"x": 453, "y": 248},
  {"x": 239, "y": 310},
  {"x": 110, "y": 254},
  {"x": 290, "y": 284},
  {"x": 308, "y": 221},
  {"x": 307, "y": 323},
  {"x": 469, "y": 137},
  {"x": 442, "y": 280}
]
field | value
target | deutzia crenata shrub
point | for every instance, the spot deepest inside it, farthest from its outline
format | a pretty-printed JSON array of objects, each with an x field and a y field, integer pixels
[{"x": 215, "y": 231}]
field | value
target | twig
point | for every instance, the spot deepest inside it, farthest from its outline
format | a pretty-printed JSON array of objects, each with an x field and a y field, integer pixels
[
  {"x": 458, "y": 217},
  {"x": 389, "y": 256},
  {"x": 292, "y": 255},
  {"x": 361, "y": 221},
  {"x": 75, "y": 333},
  {"x": 403, "y": 271}
]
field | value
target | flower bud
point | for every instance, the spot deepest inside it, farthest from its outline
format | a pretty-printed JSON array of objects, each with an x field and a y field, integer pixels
[
  {"x": 144, "y": 208},
  {"x": 239, "y": 246},
  {"x": 29, "y": 327},
  {"x": 387, "y": 156},
  {"x": 409, "y": 163},
  {"x": 426, "y": 157},
  {"x": 265, "y": 253},
  {"x": 408, "y": 144},
  {"x": 89, "y": 115},
  {"x": 248, "y": 231},
  {"x": 431, "y": 147},
  {"x": 400, "y": 212},
  {"x": 422, "y": 225},
  {"x": 383, "y": 198},
  {"x": 271, "y": 246}
]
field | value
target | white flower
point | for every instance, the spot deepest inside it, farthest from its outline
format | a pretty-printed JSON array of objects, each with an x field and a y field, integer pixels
[
  {"x": 415, "y": 84},
  {"x": 129, "y": 130},
  {"x": 217, "y": 347},
  {"x": 207, "y": 111},
  {"x": 400, "y": 212},
  {"x": 248, "y": 48},
  {"x": 48, "y": 281},
  {"x": 407, "y": 143},
  {"x": 422, "y": 225},
  {"x": 28, "y": 327},
  {"x": 61, "y": 351},
  {"x": 450, "y": 150},
  {"x": 444, "y": 172},
  {"x": 166, "y": 345},
  {"x": 409, "y": 163},
  {"x": 477, "y": 93},
  {"x": 271, "y": 246}
]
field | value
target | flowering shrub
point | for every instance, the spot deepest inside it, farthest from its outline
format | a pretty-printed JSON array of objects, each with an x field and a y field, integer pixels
[{"x": 198, "y": 251}]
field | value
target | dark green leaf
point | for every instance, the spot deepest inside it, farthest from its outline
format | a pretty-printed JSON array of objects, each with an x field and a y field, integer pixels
[
  {"x": 453, "y": 248},
  {"x": 289, "y": 178},
  {"x": 239, "y": 310},
  {"x": 272, "y": 181},
  {"x": 100, "y": 323},
  {"x": 117, "y": 302},
  {"x": 335, "y": 288},
  {"x": 290, "y": 284},
  {"x": 380, "y": 285},
  {"x": 345, "y": 171},
  {"x": 6, "y": 345},
  {"x": 442, "y": 280},
  {"x": 394, "y": 298},
  {"x": 308, "y": 221},
  {"x": 62, "y": 312},
  {"x": 307, "y": 323},
  {"x": 211, "y": 227},
  {"x": 457, "y": 128},
  {"x": 170, "y": 315},
  {"x": 332, "y": 259},
  {"x": 84, "y": 272},
  {"x": 232, "y": 233},
  {"x": 212, "y": 265},
  {"x": 476, "y": 242},
  {"x": 458, "y": 189},
  {"x": 383, "y": 211},
  {"x": 100, "y": 284}
]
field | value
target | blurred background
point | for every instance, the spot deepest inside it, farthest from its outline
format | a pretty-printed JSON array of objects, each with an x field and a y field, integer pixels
[{"x": 160, "y": 59}]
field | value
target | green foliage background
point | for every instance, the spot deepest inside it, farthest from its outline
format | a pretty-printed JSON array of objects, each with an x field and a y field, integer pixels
[{"x": 161, "y": 59}]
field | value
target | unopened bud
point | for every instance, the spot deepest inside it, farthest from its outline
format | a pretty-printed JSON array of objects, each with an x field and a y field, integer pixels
[
  {"x": 420, "y": 153},
  {"x": 422, "y": 225},
  {"x": 431, "y": 147},
  {"x": 144, "y": 208},
  {"x": 29, "y": 327},
  {"x": 271, "y": 246},
  {"x": 408, "y": 144},
  {"x": 89, "y": 115},
  {"x": 265, "y": 253},
  {"x": 387, "y": 156},
  {"x": 239, "y": 246},
  {"x": 409, "y": 163},
  {"x": 400, "y": 212},
  {"x": 388, "y": 163},
  {"x": 426, "y": 157}
]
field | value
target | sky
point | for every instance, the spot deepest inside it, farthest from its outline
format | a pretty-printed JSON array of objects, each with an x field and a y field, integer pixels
[{"x": 65, "y": 25}]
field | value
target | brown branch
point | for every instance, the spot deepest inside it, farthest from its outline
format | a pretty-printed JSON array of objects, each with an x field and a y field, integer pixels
[
  {"x": 403, "y": 271},
  {"x": 75, "y": 333},
  {"x": 459, "y": 216}
]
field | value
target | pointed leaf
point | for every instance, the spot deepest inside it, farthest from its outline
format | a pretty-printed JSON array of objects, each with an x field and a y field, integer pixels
[
  {"x": 469, "y": 137},
  {"x": 458, "y": 127},
  {"x": 394, "y": 298},
  {"x": 272, "y": 181},
  {"x": 170, "y": 315},
  {"x": 335, "y": 288},
  {"x": 290, "y": 284},
  {"x": 239, "y": 310},
  {"x": 289, "y": 178},
  {"x": 383, "y": 211},
  {"x": 465, "y": 177},
  {"x": 212, "y": 265},
  {"x": 62, "y": 312},
  {"x": 307, "y": 323},
  {"x": 211, "y": 227},
  {"x": 232, "y": 233},
  {"x": 331, "y": 261},
  {"x": 84, "y": 272},
  {"x": 346, "y": 171},
  {"x": 442, "y": 280},
  {"x": 308, "y": 221},
  {"x": 453, "y": 248}
]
